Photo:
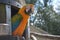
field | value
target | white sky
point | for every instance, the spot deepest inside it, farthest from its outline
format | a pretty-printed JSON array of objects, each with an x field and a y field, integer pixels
[{"x": 56, "y": 5}]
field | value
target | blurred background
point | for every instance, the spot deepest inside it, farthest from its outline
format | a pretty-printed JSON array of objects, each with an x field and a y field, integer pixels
[{"x": 46, "y": 15}]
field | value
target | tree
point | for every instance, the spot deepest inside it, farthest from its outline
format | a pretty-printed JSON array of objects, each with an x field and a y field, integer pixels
[
  {"x": 47, "y": 18},
  {"x": 45, "y": 3},
  {"x": 30, "y": 1}
]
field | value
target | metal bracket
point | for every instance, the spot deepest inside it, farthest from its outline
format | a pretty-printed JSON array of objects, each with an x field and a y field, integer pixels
[
  {"x": 11, "y": 2},
  {"x": 16, "y": 4}
]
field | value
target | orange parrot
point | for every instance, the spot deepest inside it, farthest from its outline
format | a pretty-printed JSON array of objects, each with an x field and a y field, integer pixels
[{"x": 25, "y": 12}]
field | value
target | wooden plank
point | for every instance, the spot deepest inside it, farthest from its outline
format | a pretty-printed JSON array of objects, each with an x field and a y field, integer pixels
[
  {"x": 4, "y": 29},
  {"x": 40, "y": 36},
  {"x": 8, "y": 37}
]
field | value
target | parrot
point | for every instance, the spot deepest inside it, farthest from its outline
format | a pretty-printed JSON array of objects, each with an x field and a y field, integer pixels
[{"x": 19, "y": 20}]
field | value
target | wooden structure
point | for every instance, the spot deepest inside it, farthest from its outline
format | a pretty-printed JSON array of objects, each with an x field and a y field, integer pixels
[{"x": 6, "y": 10}]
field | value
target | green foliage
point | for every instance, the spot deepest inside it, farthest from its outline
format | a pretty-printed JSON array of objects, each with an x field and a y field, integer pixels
[
  {"x": 47, "y": 18},
  {"x": 51, "y": 20},
  {"x": 45, "y": 3},
  {"x": 30, "y": 1}
]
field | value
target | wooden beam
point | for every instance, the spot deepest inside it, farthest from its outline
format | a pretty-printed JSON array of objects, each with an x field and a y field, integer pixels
[{"x": 22, "y": 2}]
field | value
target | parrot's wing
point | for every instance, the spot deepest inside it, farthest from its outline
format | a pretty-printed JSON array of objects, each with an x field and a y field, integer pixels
[{"x": 16, "y": 19}]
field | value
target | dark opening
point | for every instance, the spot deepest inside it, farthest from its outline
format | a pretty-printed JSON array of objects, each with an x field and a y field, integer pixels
[
  {"x": 2, "y": 13},
  {"x": 14, "y": 11}
]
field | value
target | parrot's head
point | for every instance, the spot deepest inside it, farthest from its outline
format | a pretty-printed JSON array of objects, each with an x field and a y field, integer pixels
[{"x": 29, "y": 9}]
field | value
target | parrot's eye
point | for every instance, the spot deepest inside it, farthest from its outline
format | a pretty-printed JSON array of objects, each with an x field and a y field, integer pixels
[{"x": 28, "y": 11}]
